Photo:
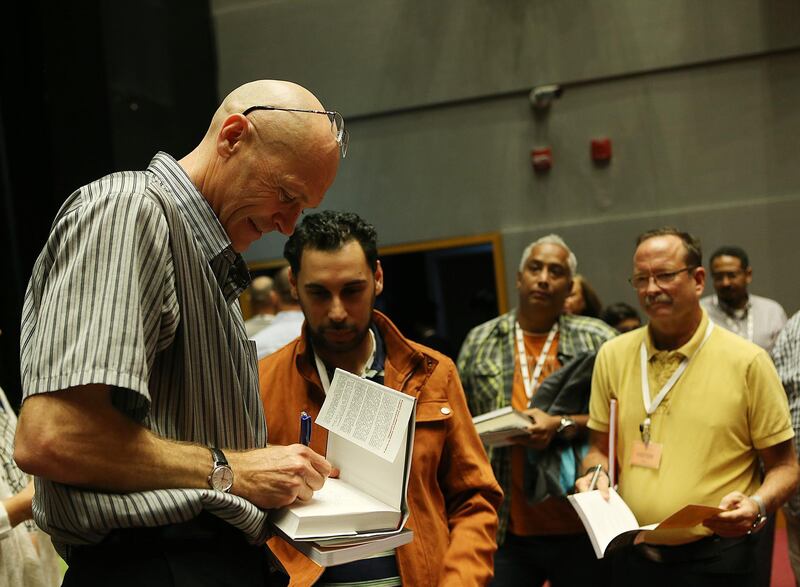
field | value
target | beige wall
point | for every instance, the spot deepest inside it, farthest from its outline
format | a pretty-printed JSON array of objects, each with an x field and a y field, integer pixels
[{"x": 699, "y": 99}]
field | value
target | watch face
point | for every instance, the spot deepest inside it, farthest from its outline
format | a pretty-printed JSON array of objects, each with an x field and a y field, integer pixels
[{"x": 222, "y": 479}]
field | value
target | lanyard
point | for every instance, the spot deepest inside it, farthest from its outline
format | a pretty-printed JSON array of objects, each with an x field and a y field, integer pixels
[
  {"x": 733, "y": 325},
  {"x": 323, "y": 372},
  {"x": 651, "y": 406},
  {"x": 528, "y": 381}
]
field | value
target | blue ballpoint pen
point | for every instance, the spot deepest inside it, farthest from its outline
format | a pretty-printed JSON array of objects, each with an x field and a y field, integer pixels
[{"x": 305, "y": 428}]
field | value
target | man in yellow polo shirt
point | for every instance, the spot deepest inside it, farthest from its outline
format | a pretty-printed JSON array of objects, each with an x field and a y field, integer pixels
[{"x": 692, "y": 430}]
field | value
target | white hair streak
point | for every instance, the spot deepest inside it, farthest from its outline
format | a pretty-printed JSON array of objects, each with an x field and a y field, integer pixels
[{"x": 552, "y": 239}]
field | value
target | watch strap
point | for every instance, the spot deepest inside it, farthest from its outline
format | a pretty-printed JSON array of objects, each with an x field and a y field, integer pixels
[
  {"x": 762, "y": 510},
  {"x": 218, "y": 456}
]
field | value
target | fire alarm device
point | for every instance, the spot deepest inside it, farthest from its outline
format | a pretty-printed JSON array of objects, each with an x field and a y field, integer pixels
[
  {"x": 542, "y": 158},
  {"x": 601, "y": 150}
]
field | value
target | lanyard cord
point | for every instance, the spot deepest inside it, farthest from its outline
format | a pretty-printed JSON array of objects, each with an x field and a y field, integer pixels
[
  {"x": 651, "y": 406},
  {"x": 528, "y": 381}
]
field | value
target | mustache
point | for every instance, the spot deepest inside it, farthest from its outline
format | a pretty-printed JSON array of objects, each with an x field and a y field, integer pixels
[{"x": 660, "y": 298}]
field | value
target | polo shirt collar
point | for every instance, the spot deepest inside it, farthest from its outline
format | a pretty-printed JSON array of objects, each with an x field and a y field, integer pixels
[{"x": 689, "y": 348}]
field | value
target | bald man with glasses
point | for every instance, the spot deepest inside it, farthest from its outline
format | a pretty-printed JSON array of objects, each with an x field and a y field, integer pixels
[{"x": 141, "y": 417}]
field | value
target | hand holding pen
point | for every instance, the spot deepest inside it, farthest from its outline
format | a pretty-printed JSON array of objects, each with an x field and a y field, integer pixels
[
  {"x": 594, "y": 478},
  {"x": 305, "y": 429}
]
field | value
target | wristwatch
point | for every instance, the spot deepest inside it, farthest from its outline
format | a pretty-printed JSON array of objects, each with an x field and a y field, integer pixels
[
  {"x": 221, "y": 476},
  {"x": 567, "y": 429},
  {"x": 761, "y": 518}
]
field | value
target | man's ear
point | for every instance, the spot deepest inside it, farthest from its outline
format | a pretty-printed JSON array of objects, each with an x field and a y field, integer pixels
[
  {"x": 234, "y": 130},
  {"x": 293, "y": 283},
  {"x": 700, "y": 280},
  {"x": 748, "y": 275},
  {"x": 378, "y": 278}
]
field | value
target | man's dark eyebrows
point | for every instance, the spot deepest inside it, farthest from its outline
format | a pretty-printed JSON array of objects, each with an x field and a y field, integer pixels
[
  {"x": 314, "y": 286},
  {"x": 319, "y": 286},
  {"x": 355, "y": 282}
]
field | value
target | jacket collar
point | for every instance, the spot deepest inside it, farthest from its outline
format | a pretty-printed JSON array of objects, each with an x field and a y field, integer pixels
[{"x": 401, "y": 360}]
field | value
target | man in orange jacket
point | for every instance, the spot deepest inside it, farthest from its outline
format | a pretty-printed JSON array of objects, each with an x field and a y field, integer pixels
[{"x": 452, "y": 494}]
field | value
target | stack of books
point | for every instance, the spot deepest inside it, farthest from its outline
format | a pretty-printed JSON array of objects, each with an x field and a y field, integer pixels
[{"x": 364, "y": 510}]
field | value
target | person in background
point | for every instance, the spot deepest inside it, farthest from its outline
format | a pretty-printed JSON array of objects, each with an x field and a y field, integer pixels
[
  {"x": 753, "y": 317},
  {"x": 262, "y": 305},
  {"x": 582, "y": 299},
  {"x": 288, "y": 322},
  {"x": 27, "y": 557},
  {"x": 141, "y": 418},
  {"x": 699, "y": 406},
  {"x": 506, "y": 362},
  {"x": 622, "y": 317},
  {"x": 786, "y": 355},
  {"x": 452, "y": 494}
]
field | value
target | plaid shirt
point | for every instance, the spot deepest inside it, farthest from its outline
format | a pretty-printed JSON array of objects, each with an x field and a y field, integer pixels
[
  {"x": 786, "y": 354},
  {"x": 486, "y": 365}
]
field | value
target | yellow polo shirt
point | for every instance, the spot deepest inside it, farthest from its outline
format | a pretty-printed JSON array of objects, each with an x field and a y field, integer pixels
[{"x": 728, "y": 403}]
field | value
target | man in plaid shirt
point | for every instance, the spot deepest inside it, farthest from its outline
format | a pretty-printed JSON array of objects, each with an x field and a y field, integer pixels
[
  {"x": 502, "y": 362},
  {"x": 786, "y": 354}
]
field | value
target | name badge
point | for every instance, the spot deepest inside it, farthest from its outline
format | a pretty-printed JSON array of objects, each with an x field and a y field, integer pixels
[{"x": 646, "y": 455}]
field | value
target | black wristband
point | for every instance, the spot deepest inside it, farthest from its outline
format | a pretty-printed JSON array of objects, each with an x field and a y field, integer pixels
[{"x": 591, "y": 470}]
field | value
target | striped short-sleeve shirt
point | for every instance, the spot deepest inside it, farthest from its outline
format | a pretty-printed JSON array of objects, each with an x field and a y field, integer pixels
[
  {"x": 786, "y": 354},
  {"x": 137, "y": 288}
]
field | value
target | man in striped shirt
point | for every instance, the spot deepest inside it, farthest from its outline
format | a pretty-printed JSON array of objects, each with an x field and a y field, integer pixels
[
  {"x": 141, "y": 416},
  {"x": 786, "y": 355}
]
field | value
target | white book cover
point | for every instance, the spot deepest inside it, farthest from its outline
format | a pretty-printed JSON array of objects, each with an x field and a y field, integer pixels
[
  {"x": 500, "y": 427},
  {"x": 371, "y": 436},
  {"x": 611, "y": 524}
]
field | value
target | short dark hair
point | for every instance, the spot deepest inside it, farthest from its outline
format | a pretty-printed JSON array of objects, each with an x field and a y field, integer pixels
[
  {"x": 731, "y": 251},
  {"x": 694, "y": 251},
  {"x": 616, "y": 313},
  {"x": 330, "y": 231}
]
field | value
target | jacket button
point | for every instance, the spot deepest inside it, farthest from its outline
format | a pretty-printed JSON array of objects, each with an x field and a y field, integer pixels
[{"x": 445, "y": 410}]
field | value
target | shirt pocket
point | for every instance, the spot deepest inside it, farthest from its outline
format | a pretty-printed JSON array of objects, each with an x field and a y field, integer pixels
[{"x": 433, "y": 419}]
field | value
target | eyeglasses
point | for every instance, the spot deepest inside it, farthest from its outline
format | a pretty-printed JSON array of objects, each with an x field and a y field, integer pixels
[
  {"x": 337, "y": 123},
  {"x": 641, "y": 282}
]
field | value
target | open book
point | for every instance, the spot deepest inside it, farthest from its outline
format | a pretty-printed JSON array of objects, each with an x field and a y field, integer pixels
[
  {"x": 499, "y": 427},
  {"x": 612, "y": 525},
  {"x": 370, "y": 441}
]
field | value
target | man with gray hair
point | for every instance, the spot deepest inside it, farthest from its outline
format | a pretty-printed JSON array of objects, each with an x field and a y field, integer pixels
[{"x": 539, "y": 360}]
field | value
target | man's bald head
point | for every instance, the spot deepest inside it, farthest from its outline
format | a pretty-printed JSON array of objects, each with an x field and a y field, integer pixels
[
  {"x": 281, "y": 94},
  {"x": 258, "y": 172}
]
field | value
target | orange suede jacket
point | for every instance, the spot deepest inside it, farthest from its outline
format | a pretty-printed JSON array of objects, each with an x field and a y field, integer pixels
[{"x": 452, "y": 494}]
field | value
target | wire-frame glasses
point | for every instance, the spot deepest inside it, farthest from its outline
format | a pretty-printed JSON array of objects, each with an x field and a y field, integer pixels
[{"x": 337, "y": 123}]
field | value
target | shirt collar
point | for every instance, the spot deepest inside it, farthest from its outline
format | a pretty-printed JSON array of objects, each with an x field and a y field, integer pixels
[
  {"x": 689, "y": 348},
  {"x": 228, "y": 266},
  {"x": 375, "y": 370}
]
